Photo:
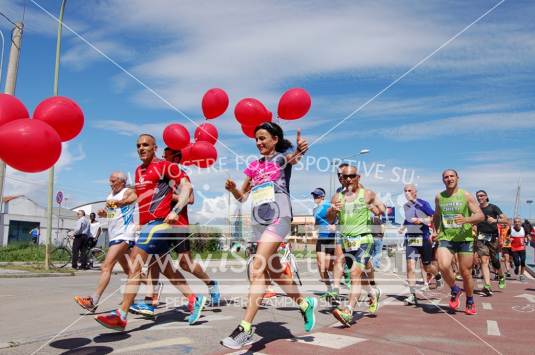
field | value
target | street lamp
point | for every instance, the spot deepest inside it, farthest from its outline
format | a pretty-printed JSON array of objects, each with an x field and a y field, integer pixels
[{"x": 529, "y": 202}]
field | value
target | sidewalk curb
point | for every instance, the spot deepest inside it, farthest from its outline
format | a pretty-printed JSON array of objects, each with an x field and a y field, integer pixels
[{"x": 33, "y": 274}]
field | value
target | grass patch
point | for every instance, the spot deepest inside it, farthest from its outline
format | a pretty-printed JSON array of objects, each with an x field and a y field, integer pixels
[{"x": 22, "y": 252}]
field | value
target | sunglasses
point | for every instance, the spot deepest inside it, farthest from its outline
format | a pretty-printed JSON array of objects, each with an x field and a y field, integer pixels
[{"x": 351, "y": 176}]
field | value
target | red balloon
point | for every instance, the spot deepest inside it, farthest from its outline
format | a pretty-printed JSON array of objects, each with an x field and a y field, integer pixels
[
  {"x": 11, "y": 109},
  {"x": 176, "y": 136},
  {"x": 206, "y": 132},
  {"x": 29, "y": 145},
  {"x": 63, "y": 114},
  {"x": 203, "y": 154},
  {"x": 294, "y": 104},
  {"x": 250, "y": 112},
  {"x": 248, "y": 131},
  {"x": 186, "y": 155},
  {"x": 214, "y": 103}
]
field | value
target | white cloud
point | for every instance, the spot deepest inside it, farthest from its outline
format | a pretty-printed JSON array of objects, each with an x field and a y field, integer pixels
[{"x": 35, "y": 185}]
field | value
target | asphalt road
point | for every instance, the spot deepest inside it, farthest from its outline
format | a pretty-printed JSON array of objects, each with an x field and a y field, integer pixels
[{"x": 40, "y": 316}]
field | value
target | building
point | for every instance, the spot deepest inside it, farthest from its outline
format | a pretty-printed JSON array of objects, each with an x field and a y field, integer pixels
[{"x": 20, "y": 214}]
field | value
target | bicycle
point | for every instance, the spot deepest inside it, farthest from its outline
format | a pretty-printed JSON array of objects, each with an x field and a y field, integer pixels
[
  {"x": 61, "y": 255},
  {"x": 287, "y": 258}
]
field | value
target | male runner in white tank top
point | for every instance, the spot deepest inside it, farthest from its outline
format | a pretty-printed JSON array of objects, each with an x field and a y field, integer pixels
[{"x": 120, "y": 206}]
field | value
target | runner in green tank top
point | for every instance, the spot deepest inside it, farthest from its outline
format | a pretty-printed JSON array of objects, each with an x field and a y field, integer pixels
[
  {"x": 352, "y": 208},
  {"x": 456, "y": 210}
]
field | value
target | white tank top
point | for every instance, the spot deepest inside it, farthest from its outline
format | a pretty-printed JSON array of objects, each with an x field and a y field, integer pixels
[
  {"x": 520, "y": 233},
  {"x": 120, "y": 219}
]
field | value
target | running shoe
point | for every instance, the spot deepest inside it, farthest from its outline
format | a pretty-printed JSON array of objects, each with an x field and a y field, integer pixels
[
  {"x": 344, "y": 316},
  {"x": 425, "y": 287},
  {"x": 329, "y": 295},
  {"x": 507, "y": 274},
  {"x": 470, "y": 309},
  {"x": 454, "y": 300},
  {"x": 309, "y": 315},
  {"x": 200, "y": 302},
  {"x": 440, "y": 282},
  {"x": 238, "y": 338},
  {"x": 374, "y": 301},
  {"x": 215, "y": 295},
  {"x": 86, "y": 303},
  {"x": 501, "y": 282},
  {"x": 522, "y": 278},
  {"x": 143, "y": 309},
  {"x": 112, "y": 320},
  {"x": 191, "y": 303},
  {"x": 411, "y": 299},
  {"x": 486, "y": 291}
]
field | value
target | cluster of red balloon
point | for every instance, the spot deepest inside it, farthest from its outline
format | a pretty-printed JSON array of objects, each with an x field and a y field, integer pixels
[
  {"x": 34, "y": 145},
  {"x": 250, "y": 112},
  {"x": 202, "y": 152}
]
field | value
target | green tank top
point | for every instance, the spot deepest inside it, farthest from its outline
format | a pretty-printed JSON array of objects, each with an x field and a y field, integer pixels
[
  {"x": 449, "y": 207},
  {"x": 355, "y": 218}
]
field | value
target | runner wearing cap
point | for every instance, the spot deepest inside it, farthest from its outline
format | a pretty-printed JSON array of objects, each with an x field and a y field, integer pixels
[{"x": 325, "y": 241}]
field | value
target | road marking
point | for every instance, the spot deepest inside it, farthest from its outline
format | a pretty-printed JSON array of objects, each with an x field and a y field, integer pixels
[
  {"x": 524, "y": 309},
  {"x": 487, "y": 306},
  {"x": 492, "y": 328},
  {"x": 530, "y": 298},
  {"x": 327, "y": 340},
  {"x": 154, "y": 344}
]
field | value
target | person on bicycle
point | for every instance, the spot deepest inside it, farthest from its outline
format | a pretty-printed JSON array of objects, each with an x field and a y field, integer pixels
[
  {"x": 268, "y": 181},
  {"x": 351, "y": 208},
  {"x": 119, "y": 211}
]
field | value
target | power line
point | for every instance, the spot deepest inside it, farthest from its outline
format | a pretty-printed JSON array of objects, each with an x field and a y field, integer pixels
[{"x": 7, "y": 18}]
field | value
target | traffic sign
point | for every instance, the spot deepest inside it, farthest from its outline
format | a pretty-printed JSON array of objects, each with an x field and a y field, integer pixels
[{"x": 59, "y": 197}]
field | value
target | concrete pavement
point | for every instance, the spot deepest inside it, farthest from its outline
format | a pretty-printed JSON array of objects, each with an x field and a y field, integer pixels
[{"x": 39, "y": 315}]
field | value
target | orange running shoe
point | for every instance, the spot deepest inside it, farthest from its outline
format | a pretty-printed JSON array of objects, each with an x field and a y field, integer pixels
[
  {"x": 86, "y": 303},
  {"x": 470, "y": 309},
  {"x": 112, "y": 320}
]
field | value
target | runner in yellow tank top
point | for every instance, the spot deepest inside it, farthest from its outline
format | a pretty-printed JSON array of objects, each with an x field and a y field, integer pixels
[
  {"x": 456, "y": 211},
  {"x": 351, "y": 207}
]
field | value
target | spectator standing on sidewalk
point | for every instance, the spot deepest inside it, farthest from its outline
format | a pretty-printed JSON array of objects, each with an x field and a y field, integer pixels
[{"x": 80, "y": 242}]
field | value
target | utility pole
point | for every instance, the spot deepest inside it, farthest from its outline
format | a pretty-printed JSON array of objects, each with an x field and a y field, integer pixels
[
  {"x": 11, "y": 81},
  {"x": 51, "y": 171}
]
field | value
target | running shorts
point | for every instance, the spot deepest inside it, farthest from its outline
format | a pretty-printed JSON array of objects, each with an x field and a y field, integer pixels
[
  {"x": 457, "y": 247},
  {"x": 325, "y": 245},
  {"x": 154, "y": 237},
  {"x": 360, "y": 256}
]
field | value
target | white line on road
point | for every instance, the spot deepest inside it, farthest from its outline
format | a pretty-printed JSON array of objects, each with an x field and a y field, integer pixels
[
  {"x": 328, "y": 340},
  {"x": 492, "y": 328},
  {"x": 487, "y": 306}
]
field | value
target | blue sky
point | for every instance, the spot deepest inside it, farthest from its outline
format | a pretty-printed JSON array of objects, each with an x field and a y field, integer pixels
[{"x": 470, "y": 106}]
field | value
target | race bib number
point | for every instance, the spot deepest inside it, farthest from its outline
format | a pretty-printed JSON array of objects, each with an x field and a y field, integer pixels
[
  {"x": 351, "y": 243},
  {"x": 415, "y": 241},
  {"x": 448, "y": 220},
  {"x": 111, "y": 213},
  {"x": 263, "y": 193}
]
